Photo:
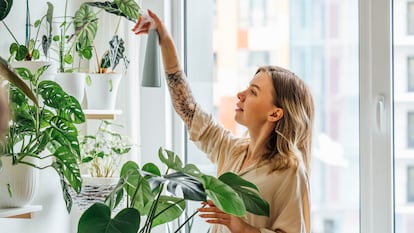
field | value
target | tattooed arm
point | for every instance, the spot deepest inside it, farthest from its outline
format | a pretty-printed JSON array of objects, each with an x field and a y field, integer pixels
[{"x": 181, "y": 96}]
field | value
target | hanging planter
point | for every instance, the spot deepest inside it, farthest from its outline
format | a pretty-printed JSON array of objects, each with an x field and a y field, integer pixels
[
  {"x": 18, "y": 183},
  {"x": 101, "y": 90}
]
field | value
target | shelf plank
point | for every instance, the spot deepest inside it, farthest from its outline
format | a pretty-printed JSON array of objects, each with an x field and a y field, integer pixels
[
  {"x": 21, "y": 212},
  {"x": 95, "y": 114}
]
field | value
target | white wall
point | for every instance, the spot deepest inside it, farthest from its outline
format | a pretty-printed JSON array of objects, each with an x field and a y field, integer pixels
[{"x": 54, "y": 217}]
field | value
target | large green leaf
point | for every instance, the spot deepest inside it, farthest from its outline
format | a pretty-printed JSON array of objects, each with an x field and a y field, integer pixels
[
  {"x": 192, "y": 189},
  {"x": 248, "y": 193},
  {"x": 5, "y": 6},
  {"x": 66, "y": 134},
  {"x": 137, "y": 186},
  {"x": 97, "y": 219},
  {"x": 70, "y": 168},
  {"x": 174, "y": 162},
  {"x": 128, "y": 9},
  {"x": 8, "y": 73},
  {"x": 168, "y": 209},
  {"x": 66, "y": 106},
  {"x": 223, "y": 196},
  {"x": 86, "y": 26}
]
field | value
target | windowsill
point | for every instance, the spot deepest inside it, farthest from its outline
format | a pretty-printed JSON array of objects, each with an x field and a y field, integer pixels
[{"x": 21, "y": 212}]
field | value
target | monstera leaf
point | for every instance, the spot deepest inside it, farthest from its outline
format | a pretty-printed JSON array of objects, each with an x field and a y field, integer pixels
[
  {"x": 5, "y": 6},
  {"x": 97, "y": 219},
  {"x": 248, "y": 192}
]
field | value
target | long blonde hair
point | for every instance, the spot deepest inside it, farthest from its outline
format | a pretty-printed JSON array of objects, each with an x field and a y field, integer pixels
[{"x": 292, "y": 137}]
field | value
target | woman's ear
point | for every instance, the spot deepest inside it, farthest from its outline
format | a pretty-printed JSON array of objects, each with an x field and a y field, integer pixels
[{"x": 276, "y": 115}]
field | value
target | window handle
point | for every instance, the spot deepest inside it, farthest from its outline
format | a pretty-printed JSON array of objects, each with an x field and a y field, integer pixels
[{"x": 380, "y": 113}]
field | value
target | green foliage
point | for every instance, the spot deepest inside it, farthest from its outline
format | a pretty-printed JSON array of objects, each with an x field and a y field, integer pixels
[
  {"x": 97, "y": 219},
  {"x": 5, "y": 7},
  {"x": 127, "y": 9},
  {"x": 49, "y": 129},
  {"x": 30, "y": 49},
  {"x": 144, "y": 189},
  {"x": 101, "y": 152}
]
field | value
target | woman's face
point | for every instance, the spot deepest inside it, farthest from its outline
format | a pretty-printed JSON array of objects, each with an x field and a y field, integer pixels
[{"x": 256, "y": 102}]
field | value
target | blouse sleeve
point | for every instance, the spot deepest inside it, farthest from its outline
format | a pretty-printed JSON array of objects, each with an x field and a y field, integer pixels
[{"x": 212, "y": 138}]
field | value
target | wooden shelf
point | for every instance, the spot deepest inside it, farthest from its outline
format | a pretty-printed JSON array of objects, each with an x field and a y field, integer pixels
[
  {"x": 21, "y": 212},
  {"x": 96, "y": 114}
]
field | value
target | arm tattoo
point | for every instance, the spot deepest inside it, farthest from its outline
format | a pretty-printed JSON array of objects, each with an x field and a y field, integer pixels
[{"x": 181, "y": 96}]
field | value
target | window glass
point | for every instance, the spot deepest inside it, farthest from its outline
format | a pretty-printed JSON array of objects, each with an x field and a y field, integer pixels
[
  {"x": 403, "y": 83},
  {"x": 410, "y": 17},
  {"x": 410, "y": 74},
  {"x": 313, "y": 41}
]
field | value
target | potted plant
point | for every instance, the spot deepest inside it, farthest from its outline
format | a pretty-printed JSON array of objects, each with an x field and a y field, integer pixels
[
  {"x": 101, "y": 155},
  {"x": 102, "y": 85},
  {"x": 28, "y": 54},
  {"x": 144, "y": 189},
  {"x": 45, "y": 132},
  {"x": 74, "y": 39}
]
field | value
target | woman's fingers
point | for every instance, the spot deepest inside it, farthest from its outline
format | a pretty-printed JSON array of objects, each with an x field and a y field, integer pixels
[{"x": 143, "y": 24}]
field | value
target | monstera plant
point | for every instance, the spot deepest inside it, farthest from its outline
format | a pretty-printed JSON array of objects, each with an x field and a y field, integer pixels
[
  {"x": 43, "y": 130},
  {"x": 145, "y": 192}
]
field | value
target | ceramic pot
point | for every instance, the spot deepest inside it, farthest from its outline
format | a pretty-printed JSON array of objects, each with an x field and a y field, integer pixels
[
  {"x": 22, "y": 180},
  {"x": 101, "y": 90}
]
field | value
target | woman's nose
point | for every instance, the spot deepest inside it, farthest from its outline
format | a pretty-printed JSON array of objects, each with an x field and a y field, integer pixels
[{"x": 240, "y": 95}]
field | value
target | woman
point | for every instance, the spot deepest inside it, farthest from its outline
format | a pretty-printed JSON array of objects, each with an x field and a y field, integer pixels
[{"x": 277, "y": 109}]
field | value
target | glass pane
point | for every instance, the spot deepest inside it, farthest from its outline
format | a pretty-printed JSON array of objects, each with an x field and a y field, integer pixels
[
  {"x": 403, "y": 78},
  {"x": 318, "y": 40}
]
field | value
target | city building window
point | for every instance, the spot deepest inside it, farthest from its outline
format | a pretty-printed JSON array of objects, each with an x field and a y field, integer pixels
[
  {"x": 410, "y": 74},
  {"x": 410, "y": 18},
  {"x": 410, "y": 129},
  {"x": 410, "y": 184}
]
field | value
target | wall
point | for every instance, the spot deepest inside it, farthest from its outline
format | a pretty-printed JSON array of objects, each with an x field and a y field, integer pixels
[{"x": 54, "y": 217}]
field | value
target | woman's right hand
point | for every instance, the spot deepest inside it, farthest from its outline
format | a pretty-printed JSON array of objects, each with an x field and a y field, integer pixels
[{"x": 146, "y": 22}]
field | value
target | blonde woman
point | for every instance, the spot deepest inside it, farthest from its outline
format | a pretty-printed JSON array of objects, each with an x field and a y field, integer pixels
[{"x": 277, "y": 109}]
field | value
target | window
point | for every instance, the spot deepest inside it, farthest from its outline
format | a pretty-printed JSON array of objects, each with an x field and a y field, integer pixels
[
  {"x": 410, "y": 129},
  {"x": 324, "y": 62},
  {"x": 410, "y": 74},
  {"x": 410, "y": 184},
  {"x": 410, "y": 18}
]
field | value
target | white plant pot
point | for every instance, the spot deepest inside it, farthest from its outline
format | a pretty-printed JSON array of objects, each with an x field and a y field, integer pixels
[
  {"x": 72, "y": 83},
  {"x": 23, "y": 181},
  {"x": 101, "y": 90}
]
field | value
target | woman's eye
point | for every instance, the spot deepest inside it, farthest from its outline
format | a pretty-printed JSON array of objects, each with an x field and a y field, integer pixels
[{"x": 252, "y": 91}]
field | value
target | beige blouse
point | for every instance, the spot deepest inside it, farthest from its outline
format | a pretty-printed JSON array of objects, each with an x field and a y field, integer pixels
[{"x": 286, "y": 191}]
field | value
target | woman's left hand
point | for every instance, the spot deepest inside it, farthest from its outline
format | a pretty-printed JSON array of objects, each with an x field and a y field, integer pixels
[{"x": 214, "y": 215}]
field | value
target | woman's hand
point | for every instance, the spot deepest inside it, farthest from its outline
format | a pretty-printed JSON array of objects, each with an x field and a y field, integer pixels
[
  {"x": 146, "y": 22},
  {"x": 214, "y": 215}
]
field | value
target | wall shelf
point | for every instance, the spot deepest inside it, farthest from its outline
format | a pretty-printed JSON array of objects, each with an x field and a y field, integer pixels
[
  {"x": 21, "y": 212},
  {"x": 97, "y": 114}
]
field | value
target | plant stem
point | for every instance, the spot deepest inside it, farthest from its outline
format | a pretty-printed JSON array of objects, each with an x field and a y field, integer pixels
[
  {"x": 188, "y": 219},
  {"x": 11, "y": 33},
  {"x": 170, "y": 206}
]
